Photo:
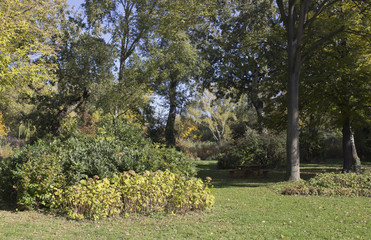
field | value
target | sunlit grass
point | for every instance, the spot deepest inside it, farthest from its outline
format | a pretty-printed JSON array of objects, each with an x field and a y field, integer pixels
[{"x": 245, "y": 209}]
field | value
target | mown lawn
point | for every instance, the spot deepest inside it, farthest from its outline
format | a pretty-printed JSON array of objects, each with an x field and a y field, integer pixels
[{"x": 245, "y": 209}]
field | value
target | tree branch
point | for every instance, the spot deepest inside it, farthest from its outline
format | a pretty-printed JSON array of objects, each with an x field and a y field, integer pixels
[
  {"x": 366, "y": 36},
  {"x": 321, "y": 41},
  {"x": 322, "y": 7}
]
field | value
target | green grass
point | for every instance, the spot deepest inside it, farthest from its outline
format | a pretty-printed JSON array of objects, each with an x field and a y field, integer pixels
[{"x": 245, "y": 209}]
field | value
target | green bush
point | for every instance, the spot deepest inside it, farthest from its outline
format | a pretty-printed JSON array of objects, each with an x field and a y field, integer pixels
[
  {"x": 333, "y": 184},
  {"x": 26, "y": 178},
  {"x": 255, "y": 148},
  {"x": 126, "y": 193},
  {"x": 128, "y": 135},
  {"x": 85, "y": 157}
]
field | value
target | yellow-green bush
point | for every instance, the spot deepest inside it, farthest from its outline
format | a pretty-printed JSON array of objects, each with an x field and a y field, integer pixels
[
  {"x": 91, "y": 199},
  {"x": 126, "y": 193},
  {"x": 333, "y": 184}
]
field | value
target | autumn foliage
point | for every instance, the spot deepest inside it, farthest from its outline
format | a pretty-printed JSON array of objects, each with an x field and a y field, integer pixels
[{"x": 3, "y": 128}]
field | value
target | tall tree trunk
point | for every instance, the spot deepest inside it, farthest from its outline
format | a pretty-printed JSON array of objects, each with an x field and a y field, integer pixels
[
  {"x": 293, "y": 154},
  {"x": 295, "y": 28},
  {"x": 347, "y": 146},
  {"x": 170, "y": 124}
]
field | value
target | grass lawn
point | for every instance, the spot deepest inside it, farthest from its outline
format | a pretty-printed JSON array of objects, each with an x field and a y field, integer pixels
[{"x": 245, "y": 209}]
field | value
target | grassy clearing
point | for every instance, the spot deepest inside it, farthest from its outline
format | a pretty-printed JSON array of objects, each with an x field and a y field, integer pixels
[{"x": 245, "y": 209}]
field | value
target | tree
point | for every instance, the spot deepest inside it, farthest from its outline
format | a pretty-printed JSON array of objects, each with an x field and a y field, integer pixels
[
  {"x": 28, "y": 33},
  {"x": 82, "y": 74},
  {"x": 242, "y": 53},
  {"x": 340, "y": 88},
  {"x": 298, "y": 18},
  {"x": 213, "y": 113},
  {"x": 175, "y": 61},
  {"x": 127, "y": 23},
  {"x": 3, "y": 128}
]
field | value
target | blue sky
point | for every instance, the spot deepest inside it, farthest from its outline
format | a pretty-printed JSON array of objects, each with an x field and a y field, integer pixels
[{"x": 75, "y": 3}]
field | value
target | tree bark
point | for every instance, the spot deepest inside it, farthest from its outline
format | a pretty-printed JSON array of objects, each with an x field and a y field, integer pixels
[{"x": 170, "y": 124}]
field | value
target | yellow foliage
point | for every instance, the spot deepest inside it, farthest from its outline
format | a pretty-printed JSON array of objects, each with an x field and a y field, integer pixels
[
  {"x": 3, "y": 128},
  {"x": 187, "y": 128}
]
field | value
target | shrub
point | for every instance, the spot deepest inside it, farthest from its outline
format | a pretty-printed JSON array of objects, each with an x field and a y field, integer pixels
[
  {"x": 5, "y": 150},
  {"x": 29, "y": 175},
  {"x": 85, "y": 157},
  {"x": 255, "y": 148},
  {"x": 90, "y": 199},
  {"x": 133, "y": 193},
  {"x": 199, "y": 150},
  {"x": 163, "y": 192},
  {"x": 128, "y": 135},
  {"x": 333, "y": 184},
  {"x": 157, "y": 157}
]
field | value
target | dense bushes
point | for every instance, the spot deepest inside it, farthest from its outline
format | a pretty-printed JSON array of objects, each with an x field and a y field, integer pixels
[
  {"x": 254, "y": 148},
  {"x": 146, "y": 193},
  {"x": 30, "y": 173},
  {"x": 333, "y": 184}
]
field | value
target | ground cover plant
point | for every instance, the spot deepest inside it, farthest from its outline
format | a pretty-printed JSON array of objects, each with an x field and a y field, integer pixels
[{"x": 244, "y": 209}]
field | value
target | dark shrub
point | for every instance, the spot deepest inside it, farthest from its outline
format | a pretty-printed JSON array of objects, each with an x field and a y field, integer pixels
[{"x": 263, "y": 149}]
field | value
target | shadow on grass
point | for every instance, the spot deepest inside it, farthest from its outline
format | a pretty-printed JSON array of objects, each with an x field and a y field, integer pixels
[{"x": 222, "y": 179}]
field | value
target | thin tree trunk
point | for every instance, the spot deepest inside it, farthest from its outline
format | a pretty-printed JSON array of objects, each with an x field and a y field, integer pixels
[
  {"x": 350, "y": 156},
  {"x": 356, "y": 160},
  {"x": 257, "y": 102},
  {"x": 170, "y": 124}
]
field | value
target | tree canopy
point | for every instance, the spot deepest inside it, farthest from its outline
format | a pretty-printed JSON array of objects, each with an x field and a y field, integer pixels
[{"x": 29, "y": 36}]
